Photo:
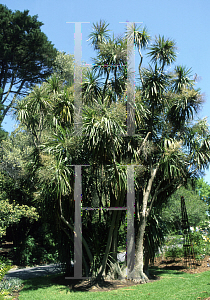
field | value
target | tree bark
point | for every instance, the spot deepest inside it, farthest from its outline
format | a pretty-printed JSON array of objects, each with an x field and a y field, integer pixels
[
  {"x": 101, "y": 272},
  {"x": 108, "y": 246},
  {"x": 138, "y": 274},
  {"x": 115, "y": 236},
  {"x": 146, "y": 260}
]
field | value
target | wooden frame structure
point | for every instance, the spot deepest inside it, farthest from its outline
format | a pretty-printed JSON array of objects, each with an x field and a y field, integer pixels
[{"x": 189, "y": 257}]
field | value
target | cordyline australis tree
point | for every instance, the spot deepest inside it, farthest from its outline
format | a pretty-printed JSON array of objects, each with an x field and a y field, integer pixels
[
  {"x": 178, "y": 145},
  {"x": 169, "y": 147}
]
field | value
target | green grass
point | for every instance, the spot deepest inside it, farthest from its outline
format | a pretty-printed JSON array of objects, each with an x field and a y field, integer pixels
[{"x": 173, "y": 285}]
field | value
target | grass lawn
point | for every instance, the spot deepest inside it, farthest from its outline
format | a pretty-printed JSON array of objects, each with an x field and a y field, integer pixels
[{"x": 173, "y": 285}]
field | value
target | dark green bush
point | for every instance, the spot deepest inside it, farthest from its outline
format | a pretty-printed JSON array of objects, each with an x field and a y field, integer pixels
[{"x": 32, "y": 253}]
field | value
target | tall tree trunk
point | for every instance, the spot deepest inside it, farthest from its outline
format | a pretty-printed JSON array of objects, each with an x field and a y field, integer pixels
[
  {"x": 141, "y": 59},
  {"x": 146, "y": 260},
  {"x": 108, "y": 246},
  {"x": 105, "y": 86},
  {"x": 115, "y": 233},
  {"x": 115, "y": 236},
  {"x": 138, "y": 274},
  {"x": 110, "y": 236}
]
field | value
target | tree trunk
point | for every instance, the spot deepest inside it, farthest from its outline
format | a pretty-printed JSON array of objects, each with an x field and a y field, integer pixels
[
  {"x": 146, "y": 260},
  {"x": 138, "y": 274},
  {"x": 115, "y": 233},
  {"x": 115, "y": 236},
  {"x": 108, "y": 246}
]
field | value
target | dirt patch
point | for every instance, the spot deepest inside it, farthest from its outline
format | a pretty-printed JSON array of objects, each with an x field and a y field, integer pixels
[
  {"x": 179, "y": 264},
  {"x": 99, "y": 286}
]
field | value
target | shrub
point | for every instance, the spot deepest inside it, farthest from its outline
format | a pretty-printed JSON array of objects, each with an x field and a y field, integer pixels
[
  {"x": 5, "y": 266},
  {"x": 199, "y": 245},
  {"x": 11, "y": 284},
  {"x": 31, "y": 253},
  {"x": 174, "y": 251}
]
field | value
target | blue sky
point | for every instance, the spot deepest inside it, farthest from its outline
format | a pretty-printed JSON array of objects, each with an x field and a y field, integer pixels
[{"x": 185, "y": 21}]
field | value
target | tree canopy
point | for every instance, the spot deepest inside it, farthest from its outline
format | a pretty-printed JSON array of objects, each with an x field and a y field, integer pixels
[
  {"x": 26, "y": 54},
  {"x": 196, "y": 209},
  {"x": 203, "y": 190},
  {"x": 171, "y": 146}
]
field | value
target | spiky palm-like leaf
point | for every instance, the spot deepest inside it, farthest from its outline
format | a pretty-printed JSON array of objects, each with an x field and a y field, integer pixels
[
  {"x": 155, "y": 84},
  {"x": 99, "y": 34},
  {"x": 63, "y": 108},
  {"x": 162, "y": 51},
  {"x": 91, "y": 87},
  {"x": 111, "y": 59},
  {"x": 182, "y": 79},
  {"x": 103, "y": 131},
  {"x": 173, "y": 162},
  {"x": 140, "y": 38},
  {"x": 183, "y": 107}
]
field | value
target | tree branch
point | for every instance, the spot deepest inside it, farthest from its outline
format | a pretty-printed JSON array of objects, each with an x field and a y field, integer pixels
[
  {"x": 13, "y": 100},
  {"x": 157, "y": 192},
  {"x": 72, "y": 228}
]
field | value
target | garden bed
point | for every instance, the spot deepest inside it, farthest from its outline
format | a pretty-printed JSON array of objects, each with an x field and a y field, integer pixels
[{"x": 179, "y": 264}]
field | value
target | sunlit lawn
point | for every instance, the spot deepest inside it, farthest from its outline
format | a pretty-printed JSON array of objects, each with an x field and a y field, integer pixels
[{"x": 173, "y": 285}]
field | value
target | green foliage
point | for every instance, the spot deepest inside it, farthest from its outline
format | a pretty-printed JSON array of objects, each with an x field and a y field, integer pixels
[
  {"x": 37, "y": 249},
  {"x": 201, "y": 245},
  {"x": 174, "y": 252},
  {"x": 170, "y": 148},
  {"x": 155, "y": 233},
  {"x": 11, "y": 284},
  {"x": 203, "y": 190},
  {"x": 12, "y": 213},
  {"x": 173, "y": 246},
  {"x": 182, "y": 79},
  {"x": 171, "y": 210},
  {"x": 99, "y": 34},
  {"x": 64, "y": 67},
  {"x": 5, "y": 266},
  {"x": 26, "y": 54},
  {"x": 162, "y": 51}
]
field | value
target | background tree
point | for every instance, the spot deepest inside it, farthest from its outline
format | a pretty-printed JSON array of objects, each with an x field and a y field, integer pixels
[
  {"x": 196, "y": 209},
  {"x": 26, "y": 54},
  {"x": 203, "y": 190},
  {"x": 3, "y": 133},
  {"x": 12, "y": 213}
]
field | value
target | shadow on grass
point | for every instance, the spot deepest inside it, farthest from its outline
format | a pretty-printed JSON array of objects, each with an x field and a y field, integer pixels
[
  {"x": 155, "y": 271},
  {"x": 76, "y": 285},
  {"x": 70, "y": 285}
]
